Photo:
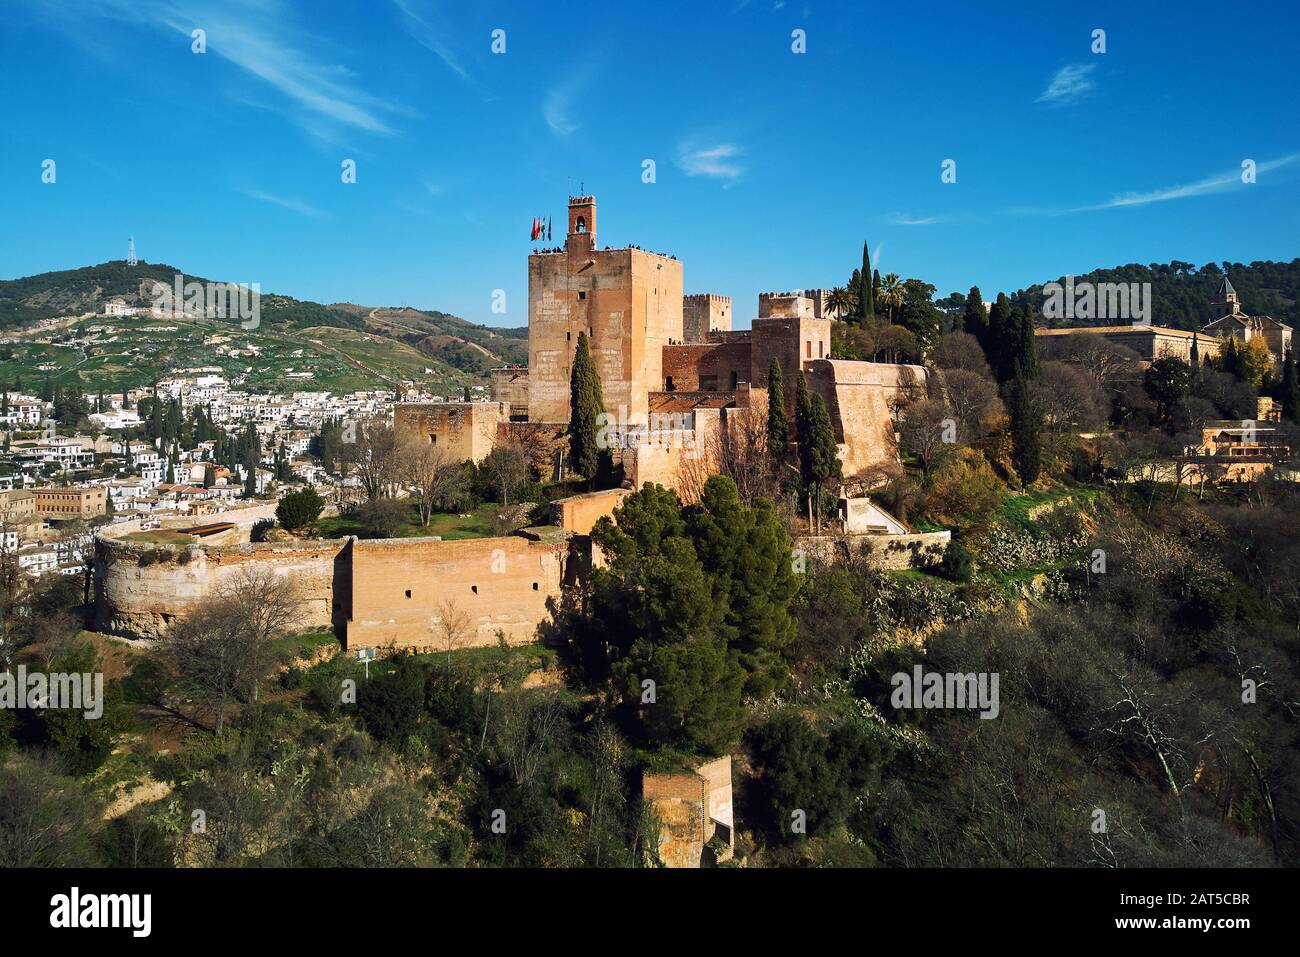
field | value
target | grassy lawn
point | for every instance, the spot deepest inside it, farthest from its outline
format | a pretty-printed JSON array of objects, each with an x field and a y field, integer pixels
[
  {"x": 160, "y": 536},
  {"x": 479, "y": 523}
]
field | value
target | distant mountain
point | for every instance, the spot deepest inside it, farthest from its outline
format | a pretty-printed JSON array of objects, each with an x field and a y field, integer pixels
[
  {"x": 439, "y": 335},
  {"x": 1183, "y": 294}
]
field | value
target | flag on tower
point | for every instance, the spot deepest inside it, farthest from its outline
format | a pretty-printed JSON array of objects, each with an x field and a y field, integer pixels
[
  {"x": 548, "y": 227},
  {"x": 534, "y": 232}
]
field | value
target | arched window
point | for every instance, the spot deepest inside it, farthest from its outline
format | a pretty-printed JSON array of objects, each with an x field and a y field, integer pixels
[{"x": 582, "y": 225}]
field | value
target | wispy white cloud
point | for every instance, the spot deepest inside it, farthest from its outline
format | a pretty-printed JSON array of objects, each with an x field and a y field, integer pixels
[
  {"x": 426, "y": 24},
  {"x": 1068, "y": 84},
  {"x": 253, "y": 37},
  {"x": 1217, "y": 183},
  {"x": 904, "y": 219},
  {"x": 719, "y": 161},
  {"x": 557, "y": 108},
  {"x": 291, "y": 203}
]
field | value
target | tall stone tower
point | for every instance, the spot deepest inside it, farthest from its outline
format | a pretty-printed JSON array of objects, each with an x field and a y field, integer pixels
[{"x": 628, "y": 301}]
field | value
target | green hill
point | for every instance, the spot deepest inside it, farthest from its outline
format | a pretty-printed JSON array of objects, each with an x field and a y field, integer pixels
[
  {"x": 345, "y": 346},
  {"x": 1182, "y": 293}
]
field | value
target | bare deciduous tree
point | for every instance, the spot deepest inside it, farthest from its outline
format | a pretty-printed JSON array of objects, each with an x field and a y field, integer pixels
[
  {"x": 506, "y": 469},
  {"x": 431, "y": 476},
  {"x": 372, "y": 458},
  {"x": 224, "y": 648},
  {"x": 454, "y": 624}
]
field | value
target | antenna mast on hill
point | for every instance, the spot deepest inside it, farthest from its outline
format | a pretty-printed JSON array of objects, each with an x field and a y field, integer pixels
[{"x": 130, "y": 251}]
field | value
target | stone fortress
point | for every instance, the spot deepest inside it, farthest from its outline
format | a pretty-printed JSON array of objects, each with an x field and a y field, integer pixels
[
  {"x": 668, "y": 362},
  {"x": 662, "y": 356}
]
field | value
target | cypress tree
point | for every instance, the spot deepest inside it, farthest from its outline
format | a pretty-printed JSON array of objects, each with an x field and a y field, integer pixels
[
  {"x": 803, "y": 425},
  {"x": 586, "y": 404},
  {"x": 995, "y": 338},
  {"x": 1026, "y": 429},
  {"x": 975, "y": 318},
  {"x": 1290, "y": 388},
  {"x": 778, "y": 428},
  {"x": 1024, "y": 346},
  {"x": 818, "y": 454},
  {"x": 1196, "y": 356},
  {"x": 824, "y": 452},
  {"x": 866, "y": 301}
]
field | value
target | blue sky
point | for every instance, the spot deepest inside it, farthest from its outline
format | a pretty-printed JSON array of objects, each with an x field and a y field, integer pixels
[{"x": 771, "y": 166}]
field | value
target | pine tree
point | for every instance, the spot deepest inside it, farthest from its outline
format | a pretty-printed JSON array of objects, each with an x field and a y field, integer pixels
[
  {"x": 1290, "y": 388},
  {"x": 866, "y": 300},
  {"x": 586, "y": 404},
  {"x": 1026, "y": 430},
  {"x": 778, "y": 427}
]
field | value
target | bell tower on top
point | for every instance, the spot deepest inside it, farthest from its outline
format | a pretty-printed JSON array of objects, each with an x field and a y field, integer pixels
[{"x": 582, "y": 224}]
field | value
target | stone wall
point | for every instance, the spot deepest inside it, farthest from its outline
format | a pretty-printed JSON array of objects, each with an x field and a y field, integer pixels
[
  {"x": 404, "y": 589},
  {"x": 509, "y": 384},
  {"x": 467, "y": 430},
  {"x": 578, "y": 513},
  {"x": 692, "y": 807},
  {"x": 389, "y": 593},
  {"x": 706, "y": 367},
  {"x": 704, "y": 313},
  {"x": 1149, "y": 342},
  {"x": 859, "y": 396},
  {"x": 143, "y": 589}
]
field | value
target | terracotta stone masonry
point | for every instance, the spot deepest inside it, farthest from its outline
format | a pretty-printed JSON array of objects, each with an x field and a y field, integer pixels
[
  {"x": 399, "y": 593},
  {"x": 408, "y": 593}
]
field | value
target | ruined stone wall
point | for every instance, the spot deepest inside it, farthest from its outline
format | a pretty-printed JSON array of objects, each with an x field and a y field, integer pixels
[
  {"x": 692, "y": 807},
  {"x": 142, "y": 589},
  {"x": 678, "y": 802},
  {"x": 466, "y": 430},
  {"x": 389, "y": 593},
  {"x": 401, "y": 590}
]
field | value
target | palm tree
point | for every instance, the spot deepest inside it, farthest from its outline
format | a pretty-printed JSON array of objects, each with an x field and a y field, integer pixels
[
  {"x": 893, "y": 287},
  {"x": 841, "y": 300}
]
